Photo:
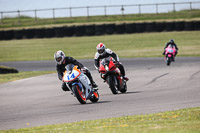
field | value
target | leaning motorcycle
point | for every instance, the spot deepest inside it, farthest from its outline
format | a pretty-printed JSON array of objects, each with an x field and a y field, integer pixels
[
  {"x": 169, "y": 54},
  {"x": 112, "y": 75},
  {"x": 79, "y": 84}
]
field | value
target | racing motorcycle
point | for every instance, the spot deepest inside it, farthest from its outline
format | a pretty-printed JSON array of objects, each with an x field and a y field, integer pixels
[
  {"x": 79, "y": 84},
  {"x": 112, "y": 75},
  {"x": 169, "y": 54}
]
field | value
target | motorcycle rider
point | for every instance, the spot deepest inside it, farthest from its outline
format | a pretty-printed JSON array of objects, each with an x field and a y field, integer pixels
[
  {"x": 173, "y": 45},
  {"x": 62, "y": 61},
  {"x": 103, "y": 52}
]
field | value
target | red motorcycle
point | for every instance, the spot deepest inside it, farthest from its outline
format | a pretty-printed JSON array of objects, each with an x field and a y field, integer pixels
[{"x": 112, "y": 75}]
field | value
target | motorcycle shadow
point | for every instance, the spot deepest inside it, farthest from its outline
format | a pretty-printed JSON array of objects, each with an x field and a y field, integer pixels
[
  {"x": 133, "y": 92},
  {"x": 89, "y": 103}
]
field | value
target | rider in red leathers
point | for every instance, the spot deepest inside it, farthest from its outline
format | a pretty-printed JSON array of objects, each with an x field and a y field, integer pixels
[{"x": 103, "y": 52}]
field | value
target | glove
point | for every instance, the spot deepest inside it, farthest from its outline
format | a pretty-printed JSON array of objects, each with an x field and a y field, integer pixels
[{"x": 83, "y": 69}]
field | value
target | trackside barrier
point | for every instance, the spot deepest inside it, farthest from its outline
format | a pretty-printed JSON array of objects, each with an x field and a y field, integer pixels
[{"x": 99, "y": 29}]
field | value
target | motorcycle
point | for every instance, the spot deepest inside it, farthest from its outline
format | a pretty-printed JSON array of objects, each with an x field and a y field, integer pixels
[
  {"x": 169, "y": 54},
  {"x": 112, "y": 75},
  {"x": 79, "y": 84}
]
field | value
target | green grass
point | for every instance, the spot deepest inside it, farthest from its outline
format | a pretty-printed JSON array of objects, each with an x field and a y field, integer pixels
[
  {"x": 126, "y": 46},
  {"x": 181, "y": 121},
  {"x": 30, "y": 22},
  {"x": 21, "y": 75}
]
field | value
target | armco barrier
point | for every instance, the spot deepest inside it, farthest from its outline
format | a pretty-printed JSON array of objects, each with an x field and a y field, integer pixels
[
  {"x": 130, "y": 27},
  {"x": 40, "y": 33},
  {"x": 49, "y": 32},
  {"x": 80, "y": 30},
  {"x": 100, "y": 29},
  {"x": 29, "y": 33},
  {"x": 189, "y": 26},
  {"x": 59, "y": 31},
  {"x": 160, "y": 26},
  {"x": 70, "y": 30},
  {"x": 9, "y": 34},
  {"x": 110, "y": 28},
  {"x": 140, "y": 27},
  {"x": 180, "y": 26},
  {"x": 120, "y": 28},
  {"x": 18, "y": 34},
  {"x": 90, "y": 30},
  {"x": 151, "y": 27},
  {"x": 170, "y": 26},
  {"x": 196, "y": 25}
]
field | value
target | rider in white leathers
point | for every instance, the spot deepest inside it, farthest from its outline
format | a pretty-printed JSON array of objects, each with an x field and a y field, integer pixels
[{"x": 103, "y": 52}]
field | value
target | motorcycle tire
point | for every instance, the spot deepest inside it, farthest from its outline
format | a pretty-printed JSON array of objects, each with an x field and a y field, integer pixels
[
  {"x": 79, "y": 94},
  {"x": 112, "y": 85},
  {"x": 168, "y": 61},
  {"x": 95, "y": 98},
  {"x": 124, "y": 87}
]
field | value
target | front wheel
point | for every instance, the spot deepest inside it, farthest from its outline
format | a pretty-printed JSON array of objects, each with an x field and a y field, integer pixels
[
  {"x": 113, "y": 84},
  {"x": 168, "y": 61},
  {"x": 124, "y": 87},
  {"x": 80, "y": 95}
]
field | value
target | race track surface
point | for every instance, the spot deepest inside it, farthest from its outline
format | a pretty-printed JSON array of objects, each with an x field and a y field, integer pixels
[{"x": 153, "y": 87}]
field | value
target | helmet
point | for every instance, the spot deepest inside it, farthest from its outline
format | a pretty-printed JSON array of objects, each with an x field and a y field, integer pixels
[
  {"x": 171, "y": 41},
  {"x": 59, "y": 57},
  {"x": 101, "y": 48}
]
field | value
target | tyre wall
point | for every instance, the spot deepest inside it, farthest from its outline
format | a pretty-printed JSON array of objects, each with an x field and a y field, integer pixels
[{"x": 99, "y": 29}]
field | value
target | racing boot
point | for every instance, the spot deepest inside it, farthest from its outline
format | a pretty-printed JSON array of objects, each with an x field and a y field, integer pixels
[
  {"x": 94, "y": 85},
  {"x": 64, "y": 87},
  {"x": 125, "y": 78}
]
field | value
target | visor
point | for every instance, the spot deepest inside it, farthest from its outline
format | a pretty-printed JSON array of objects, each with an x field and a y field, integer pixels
[
  {"x": 58, "y": 59},
  {"x": 100, "y": 51}
]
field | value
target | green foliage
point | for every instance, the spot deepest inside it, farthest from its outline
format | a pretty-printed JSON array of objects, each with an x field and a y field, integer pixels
[
  {"x": 126, "y": 46},
  {"x": 25, "y": 21}
]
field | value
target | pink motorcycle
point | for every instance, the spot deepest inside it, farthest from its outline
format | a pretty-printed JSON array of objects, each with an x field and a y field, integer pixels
[{"x": 169, "y": 54}]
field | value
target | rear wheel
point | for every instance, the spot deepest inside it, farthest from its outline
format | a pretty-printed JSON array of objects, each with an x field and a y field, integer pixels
[
  {"x": 113, "y": 84},
  {"x": 95, "y": 98},
  {"x": 80, "y": 95}
]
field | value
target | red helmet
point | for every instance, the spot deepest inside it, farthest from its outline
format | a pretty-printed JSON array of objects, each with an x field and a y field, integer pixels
[{"x": 101, "y": 48}]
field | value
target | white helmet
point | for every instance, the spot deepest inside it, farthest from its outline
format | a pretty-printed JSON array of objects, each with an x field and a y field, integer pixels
[
  {"x": 59, "y": 57},
  {"x": 101, "y": 48}
]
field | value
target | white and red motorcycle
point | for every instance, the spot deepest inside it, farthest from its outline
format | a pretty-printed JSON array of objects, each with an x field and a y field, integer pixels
[{"x": 79, "y": 84}]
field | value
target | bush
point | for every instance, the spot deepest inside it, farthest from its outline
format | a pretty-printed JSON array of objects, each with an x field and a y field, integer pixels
[{"x": 5, "y": 70}]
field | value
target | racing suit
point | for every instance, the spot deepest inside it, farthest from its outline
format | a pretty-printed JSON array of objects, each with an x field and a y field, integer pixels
[
  {"x": 173, "y": 44},
  {"x": 69, "y": 60},
  {"x": 106, "y": 54}
]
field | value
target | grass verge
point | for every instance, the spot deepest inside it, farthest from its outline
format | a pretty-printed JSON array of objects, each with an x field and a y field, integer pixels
[
  {"x": 21, "y": 75},
  {"x": 125, "y": 45},
  {"x": 182, "y": 121}
]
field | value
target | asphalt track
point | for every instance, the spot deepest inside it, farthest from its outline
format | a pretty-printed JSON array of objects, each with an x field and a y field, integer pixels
[{"x": 153, "y": 87}]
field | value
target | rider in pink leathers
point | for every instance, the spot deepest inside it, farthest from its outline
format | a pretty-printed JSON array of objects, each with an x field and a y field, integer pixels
[
  {"x": 62, "y": 61},
  {"x": 173, "y": 44},
  {"x": 103, "y": 52}
]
